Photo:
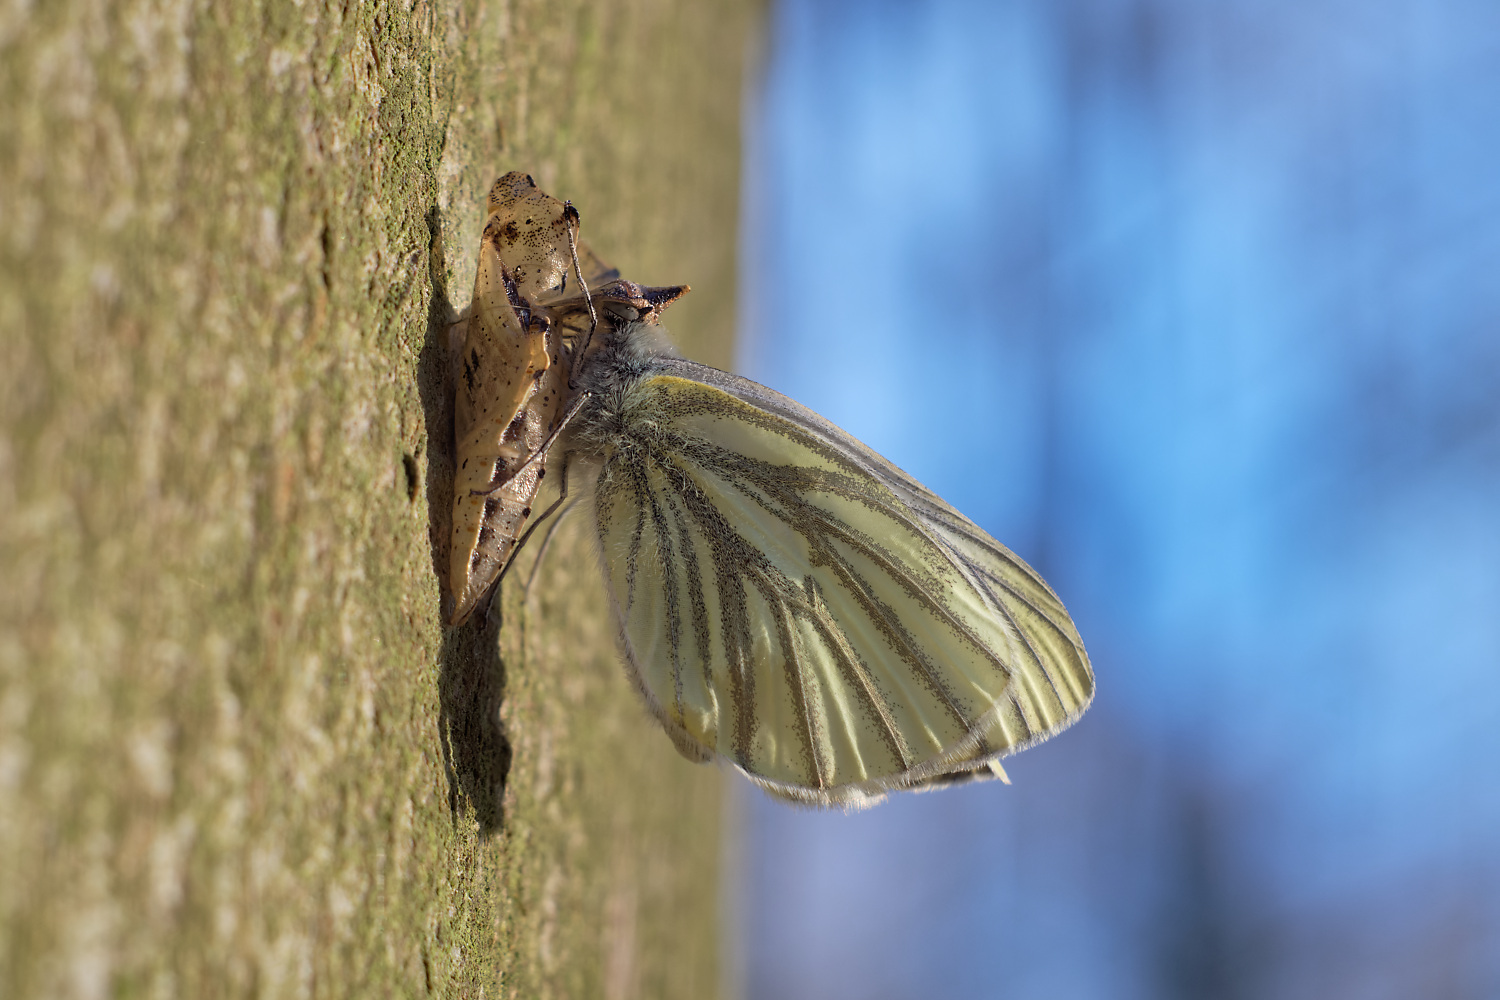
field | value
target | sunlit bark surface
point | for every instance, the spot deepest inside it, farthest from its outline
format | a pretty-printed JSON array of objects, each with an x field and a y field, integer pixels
[{"x": 239, "y": 752}]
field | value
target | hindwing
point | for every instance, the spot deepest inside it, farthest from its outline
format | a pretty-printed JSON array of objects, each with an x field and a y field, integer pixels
[{"x": 795, "y": 604}]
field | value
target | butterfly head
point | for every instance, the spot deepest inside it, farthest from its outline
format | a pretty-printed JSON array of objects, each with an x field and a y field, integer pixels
[{"x": 626, "y": 301}]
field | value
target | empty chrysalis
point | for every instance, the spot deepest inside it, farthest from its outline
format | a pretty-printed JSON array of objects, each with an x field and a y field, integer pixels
[
  {"x": 788, "y": 601},
  {"x": 510, "y": 365}
]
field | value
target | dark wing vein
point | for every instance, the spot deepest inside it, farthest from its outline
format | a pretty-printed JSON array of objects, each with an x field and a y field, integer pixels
[
  {"x": 737, "y": 560},
  {"x": 701, "y": 635},
  {"x": 642, "y": 490},
  {"x": 666, "y": 566},
  {"x": 792, "y": 665},
  {"x": 817, "y": 525},
  {"x": 848, "y": 661}
]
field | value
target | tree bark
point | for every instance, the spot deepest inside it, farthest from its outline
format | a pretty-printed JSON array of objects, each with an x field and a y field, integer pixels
[{"x": 240, "y": 753}]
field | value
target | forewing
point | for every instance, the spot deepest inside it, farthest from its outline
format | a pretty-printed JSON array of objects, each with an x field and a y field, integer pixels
[{"x": 792, "y": 602}]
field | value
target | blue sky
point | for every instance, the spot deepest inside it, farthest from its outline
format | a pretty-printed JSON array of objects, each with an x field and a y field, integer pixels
[{"x": 1196, "y": 307}]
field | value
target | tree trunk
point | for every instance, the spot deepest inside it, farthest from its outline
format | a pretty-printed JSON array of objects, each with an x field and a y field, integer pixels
[{"x": 240, "y": 753}]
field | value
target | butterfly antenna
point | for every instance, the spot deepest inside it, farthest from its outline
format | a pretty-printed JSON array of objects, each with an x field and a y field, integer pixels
[{"x": 571, "y": 215}]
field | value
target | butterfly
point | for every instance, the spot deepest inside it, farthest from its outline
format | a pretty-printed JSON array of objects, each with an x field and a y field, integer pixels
[{"x": 788, "y": 601}]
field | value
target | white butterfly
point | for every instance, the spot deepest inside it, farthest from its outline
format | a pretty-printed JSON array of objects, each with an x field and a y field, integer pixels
[{"x": 789, "y": 601}]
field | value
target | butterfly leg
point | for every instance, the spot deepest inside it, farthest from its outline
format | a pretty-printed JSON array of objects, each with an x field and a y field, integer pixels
[
  {"x": 489, "y": 609},
  {"x": 546, "y": 445},
  {"x": 542, "y": 552},
  {"x": 547, "y": 539}
]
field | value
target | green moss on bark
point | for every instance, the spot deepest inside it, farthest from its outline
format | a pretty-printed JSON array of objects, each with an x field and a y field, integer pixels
[{"x": 239, "y": 753}]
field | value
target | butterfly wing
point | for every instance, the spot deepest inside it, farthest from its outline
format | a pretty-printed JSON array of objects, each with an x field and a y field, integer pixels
[{"x": 792, "y": 602}]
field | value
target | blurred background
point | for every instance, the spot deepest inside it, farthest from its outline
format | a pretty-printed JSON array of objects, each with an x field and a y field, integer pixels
[{"x": 1197, "y": 307}]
